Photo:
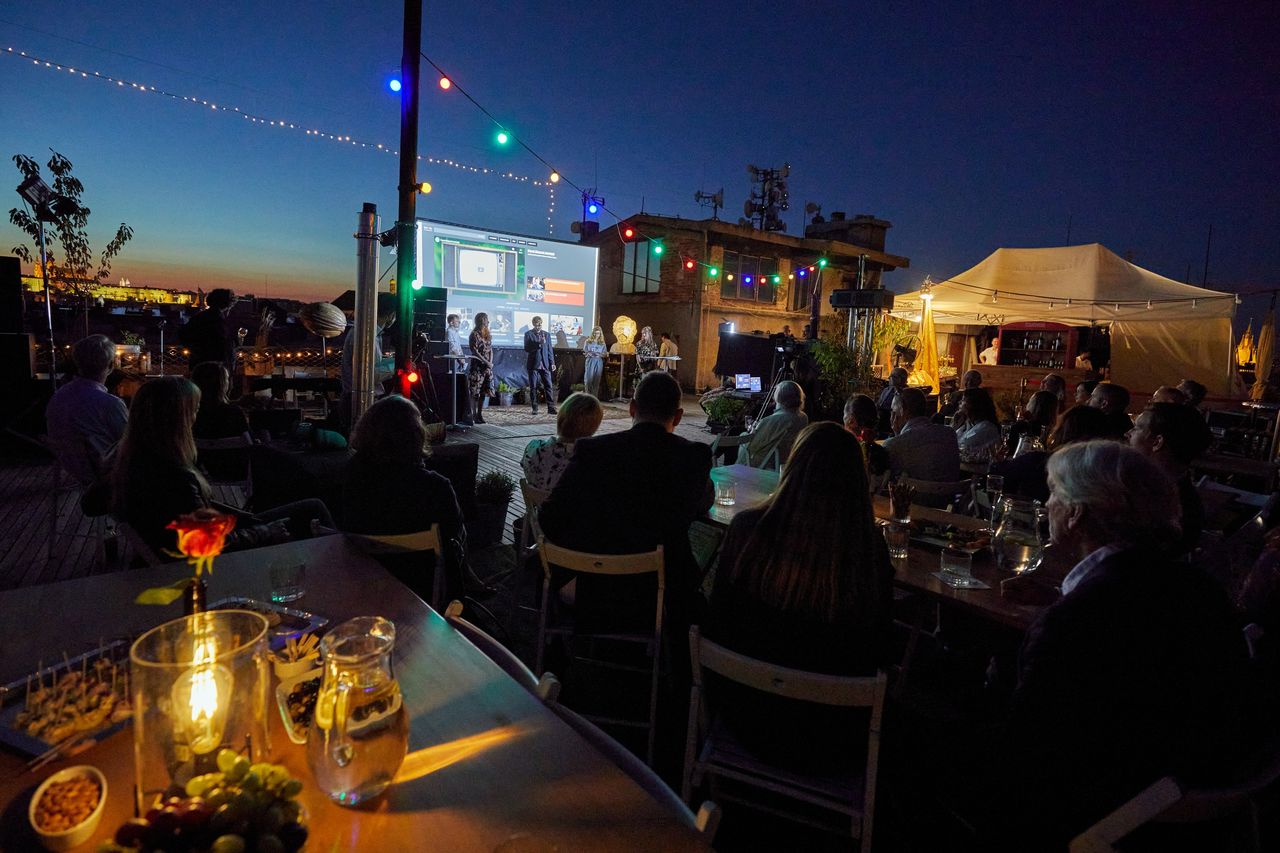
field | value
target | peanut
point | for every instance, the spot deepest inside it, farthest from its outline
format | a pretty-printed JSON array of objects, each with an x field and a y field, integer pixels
[{"x": 65, "y": 805}]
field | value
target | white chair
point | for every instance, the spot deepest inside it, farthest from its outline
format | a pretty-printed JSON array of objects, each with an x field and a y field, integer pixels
[
  {"x": 722, "y": 442},
  {"x": 546, "y": 688},
  {"x": 711, "y": 752},
  {"x": 946, "y": 495},
  {"x": 235, "y": 449},
  {"x": 533, "y": 498},
  {"x": 613, "y": 565},
  {"x": 421, "y": 542},
  {"x": 706, "y": 821}
]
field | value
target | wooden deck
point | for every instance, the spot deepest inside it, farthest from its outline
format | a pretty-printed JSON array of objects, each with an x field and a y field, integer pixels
[{"x": 30, "y": 491}]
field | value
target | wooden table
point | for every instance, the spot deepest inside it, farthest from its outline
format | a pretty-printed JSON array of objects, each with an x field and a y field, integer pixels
[
  {"x": 487, "y": 761},
  {"x": 751, "y": 486},
  {"x": 916, "y": 573}
]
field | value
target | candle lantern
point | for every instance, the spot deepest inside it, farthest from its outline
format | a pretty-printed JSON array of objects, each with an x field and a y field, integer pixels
[{"x": 199, "y": 685}]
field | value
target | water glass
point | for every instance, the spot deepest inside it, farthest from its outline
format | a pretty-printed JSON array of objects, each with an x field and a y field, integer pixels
[
  {"x": 995, "y": 491},
  {"x": 725, "y": 493},
  {"x": 288, "y": 577},
  {"x": 957, "y": 563},
  {"x": 897, "y": 536}
]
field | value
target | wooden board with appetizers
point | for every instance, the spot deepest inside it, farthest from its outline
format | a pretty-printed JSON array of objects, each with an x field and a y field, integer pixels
[{"x": 939, "y": 535}]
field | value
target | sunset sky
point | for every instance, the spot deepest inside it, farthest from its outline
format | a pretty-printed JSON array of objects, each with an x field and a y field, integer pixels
[{"x": 968, "y": 129}]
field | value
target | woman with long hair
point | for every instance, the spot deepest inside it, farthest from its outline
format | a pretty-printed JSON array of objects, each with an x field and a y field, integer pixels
[
  {"x": 646, "y": 350},
  {"x": 1037, "y": 420},
  {"x": 977, "y": 425},
  {"x": 594, "y": 351},
  {"x": 805, "y": 582},
  {"x": 480, "y": 374}
]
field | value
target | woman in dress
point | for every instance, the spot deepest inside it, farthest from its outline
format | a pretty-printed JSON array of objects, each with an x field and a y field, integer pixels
[
  {"x": 646, "y": 351},
  {"x": 545, "y": 459},
  {"x": 480, "y": 374},
  {"x": 594, "y": 351}
]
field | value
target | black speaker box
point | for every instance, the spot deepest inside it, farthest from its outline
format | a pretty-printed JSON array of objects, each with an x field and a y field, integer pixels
[{"x": 10, "y": 295}]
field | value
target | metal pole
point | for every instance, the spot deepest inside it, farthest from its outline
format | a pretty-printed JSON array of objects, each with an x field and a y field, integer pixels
[
  {"x": 48, "y": 307},
  {"x": 360, "y": 338},
  {"x": 406, "y": 220}
]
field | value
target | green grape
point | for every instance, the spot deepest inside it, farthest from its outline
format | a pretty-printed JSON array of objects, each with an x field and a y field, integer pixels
[
  {"x": 226, "y": 759},
  {"x": 251, "y": 781},
  {"x": 217, "y": 796},
  {"x": 227, "y": 844},
  {"x": 276, "y": 778},
  {"x": 238, "y": 770},
  {"x": 291, "y": 788},
  {"x": 198, "y": 785}
]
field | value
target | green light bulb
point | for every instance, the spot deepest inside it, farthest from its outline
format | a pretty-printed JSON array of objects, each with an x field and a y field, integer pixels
[
  {"x": 657, "y": 248},
  {"x": 503, "y": 138},
  {"x": 822, "y": 262},
  {"x": 713, "y": 272}
]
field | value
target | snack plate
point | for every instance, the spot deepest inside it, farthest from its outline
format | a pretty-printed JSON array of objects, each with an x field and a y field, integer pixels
[
  {"x": 296, "y": 733},
  {"x": 284, "y": 622},
  {"x": 14, "y": 694},
  {"x": 940, "y": 542}
]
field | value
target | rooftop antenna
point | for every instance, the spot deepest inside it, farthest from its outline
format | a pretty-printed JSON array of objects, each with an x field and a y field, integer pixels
[
  {"x": 714, "y": 200},
  {"x": 769, "y": 199}
]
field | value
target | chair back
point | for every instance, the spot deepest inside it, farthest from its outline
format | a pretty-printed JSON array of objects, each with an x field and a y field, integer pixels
[
  {"x": 602, "y": 564},
  {"x": 421, "y": 541},
  {"x": 533, "y": 498},
  {"x": 723, "y": 442},
  {"x": 942, "y": 492}
]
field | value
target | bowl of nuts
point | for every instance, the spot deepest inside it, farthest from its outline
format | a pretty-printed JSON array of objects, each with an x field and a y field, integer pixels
[{"x": 67, "y": 807}]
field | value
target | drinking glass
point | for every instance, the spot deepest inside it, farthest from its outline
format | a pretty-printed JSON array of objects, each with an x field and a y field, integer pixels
[
  {"x": 287, "y": 580},
  {"x": 957, "y": 567},
  {"x": 1018, "y": 545},
  {"x": 725, "y": 493},
  {"x": 897, "y": 536},
  {"x": 995, "y": 491}
]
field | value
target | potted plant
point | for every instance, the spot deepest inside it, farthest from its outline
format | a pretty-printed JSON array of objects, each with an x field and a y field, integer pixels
[
  {"x": 576, "y": 387},
  {"x": 505, "y": 393},
  {"x": 724, "y": 412},
  {"x": 493, "y": 495}
]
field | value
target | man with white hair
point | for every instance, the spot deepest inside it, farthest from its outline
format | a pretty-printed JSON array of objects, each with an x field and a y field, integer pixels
[
  {"x": 1136, "y": 673},
  {"x": 85, "y": 420},
  {"x": 780, "y": 429}
]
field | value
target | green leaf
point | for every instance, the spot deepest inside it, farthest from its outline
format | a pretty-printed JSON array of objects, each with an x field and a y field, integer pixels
[{"x": 163, "y": 594}]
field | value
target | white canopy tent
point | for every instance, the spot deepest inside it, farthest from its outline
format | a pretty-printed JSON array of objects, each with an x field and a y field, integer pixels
[{"x": 1161, "y": 330}]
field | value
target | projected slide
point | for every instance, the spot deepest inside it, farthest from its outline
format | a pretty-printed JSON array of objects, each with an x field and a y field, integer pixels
[{"x": 512, "y": 278}]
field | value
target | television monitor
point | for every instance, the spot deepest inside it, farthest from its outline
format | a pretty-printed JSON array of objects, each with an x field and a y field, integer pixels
[
  {"x": 742, "y": 381},
  {"x": 755, "y": 383},
  {"x": 512, "y": 278}
]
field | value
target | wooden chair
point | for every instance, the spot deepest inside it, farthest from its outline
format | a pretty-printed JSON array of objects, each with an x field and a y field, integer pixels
[
  {"x": 233, "y": 449},
  {"x": 706, "y": 821},
  {"x": 722, "y": 442},
  {"x": 410, "y": 543},
  {"x": 546, "y": 688},
  {"x": 944, "y": 495},
  {"x": 533, "y": 498},
  {"x": 615, "y": 565},
  {"x": 712, "y": 752}
]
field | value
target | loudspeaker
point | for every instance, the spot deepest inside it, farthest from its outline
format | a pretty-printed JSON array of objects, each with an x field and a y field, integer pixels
[
  {"x": 17, "y": 358},
  {"x": 871, "y": 298},
  {"x": 10, "y": 295}
]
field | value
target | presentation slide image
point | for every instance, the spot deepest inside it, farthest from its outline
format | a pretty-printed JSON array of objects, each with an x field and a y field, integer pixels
[
  {"x": 569, "y": 324},
  {"x": 524, "y": 321},
  {"x": 477, "y": 269},
  {"x": 561, "y": 291},
  {"x": 465, "y": 314},
  {"x": 500, "y": 323}
]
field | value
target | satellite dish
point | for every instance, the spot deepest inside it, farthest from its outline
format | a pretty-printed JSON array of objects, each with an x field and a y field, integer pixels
[{"x": 812, "y": 207}]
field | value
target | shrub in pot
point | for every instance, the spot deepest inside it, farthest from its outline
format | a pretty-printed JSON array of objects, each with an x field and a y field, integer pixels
[
  {"x": 493, "y": 496},
  {"x": 505, "y": 393}
]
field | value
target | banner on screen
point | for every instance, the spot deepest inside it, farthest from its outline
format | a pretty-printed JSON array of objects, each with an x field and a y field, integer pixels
[{"x": 512, "y": 278}]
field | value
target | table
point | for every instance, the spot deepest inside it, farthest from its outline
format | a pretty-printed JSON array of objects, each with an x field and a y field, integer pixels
[
  {"x": 487, "y": 761},
  {"x": 750, "y": 485},
  {"x": 916, "y": 573}
]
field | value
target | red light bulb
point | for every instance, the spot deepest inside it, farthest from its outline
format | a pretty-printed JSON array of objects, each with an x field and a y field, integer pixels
[{"x": 689, "y": 264}]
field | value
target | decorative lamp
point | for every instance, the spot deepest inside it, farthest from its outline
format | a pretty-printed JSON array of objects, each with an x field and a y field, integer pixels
[
  {"x": 624, "y": 329},
  {"x": 199, "y": 685}
]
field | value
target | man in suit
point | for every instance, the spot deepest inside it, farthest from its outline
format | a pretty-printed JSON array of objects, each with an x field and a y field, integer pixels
[
  {"x": 1138, "y": 672},
  {"x": 539, "y": 361},
  {"x": 626, "y": 493},
  {"x": 919, "y": 448}
]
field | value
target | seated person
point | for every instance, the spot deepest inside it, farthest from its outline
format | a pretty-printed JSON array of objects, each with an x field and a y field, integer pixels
[
  {"x": 1037, "y": 420},
  {"x": 1084, "y": 390},
  {"x": 860, "y": 420},
  {"x": 1137, "y": 672},
  {"x": 778, "y": 430},
  {"x": 977, "y": 426},
  {"x": 1113, "y": 400},
  {"x": 217, "y": 417},
  {"x": 1173, "y": 435},
  {"x": 154, "y": 478},
  {"x": 1195, "y": 392},
  {"x": 971, "y": 379},
  {"x": 387, "y": 489},
  {"x": 884, "y": 403},
  {"x": 1056, "y": 385},
  {"x": 1168, "y": 394},
  {"x": 919, "y": 448},
  {"x": 627, "y": 492},
  {"x": 85, "y": 420},
  {"x": 1027, "y": 476},
  {"x": 814, "y": 596},
  {"x": 545, "y": 459}
]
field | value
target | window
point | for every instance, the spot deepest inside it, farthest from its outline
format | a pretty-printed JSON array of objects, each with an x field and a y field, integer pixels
[
  {"x": 748, "y": 277},
  {"x": 641, "y": 268}
]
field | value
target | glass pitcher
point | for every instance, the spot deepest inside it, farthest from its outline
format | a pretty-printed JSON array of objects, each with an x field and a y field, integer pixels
[
  {"x": 1029, "y": 443},
  {"x": 360, "y": 731},
  {"x": 1018, "y": 543}
]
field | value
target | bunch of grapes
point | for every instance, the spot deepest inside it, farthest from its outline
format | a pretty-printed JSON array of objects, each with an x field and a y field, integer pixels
[{"x": 242, "y": 808}]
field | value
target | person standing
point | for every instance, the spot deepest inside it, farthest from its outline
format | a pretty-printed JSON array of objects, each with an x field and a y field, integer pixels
[
  {"x": 646, "y": 351},
  {"x": 667, "y": 348},
  {"x": 458, "y": 367},
  {"x": 480, "y": 377},
  {"x": 85, "y": 420},
  {"x": 206, "y": 336},
  {"x": 539, "y": 361},
  {"x": 594, "y": 351}
]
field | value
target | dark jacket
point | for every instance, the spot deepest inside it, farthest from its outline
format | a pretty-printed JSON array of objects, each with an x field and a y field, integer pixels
[
  {"x": 539, "y": 356},
  {"x": 1139, "y": 672},
  {"x": 626, "y": 493},
  {"x": 155, "y": 492},
  {"x": 1027, "y": 476},
  {"x": 207, "y": 338}
]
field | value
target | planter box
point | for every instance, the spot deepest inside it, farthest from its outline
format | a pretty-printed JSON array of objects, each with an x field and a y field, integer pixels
[{"x": 487, "y": 526}]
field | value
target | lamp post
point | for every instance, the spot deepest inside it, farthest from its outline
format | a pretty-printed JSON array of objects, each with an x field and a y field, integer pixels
[{"x": 406, "y": 220}]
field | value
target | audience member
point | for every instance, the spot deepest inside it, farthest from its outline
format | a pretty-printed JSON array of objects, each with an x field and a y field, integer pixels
[
  {"x": 1173, "y": 435},
  {"x": 1113, "y": 400},
  {"x": 778, "y": 430},
  {"x": 1056, "y": 385},
  {"x": 1027, "y": 476},
  {"x": 86, "y": 421},
  {"x": 815, "y": 603},
  {"x": 1038, "y": 420},
  {"x": 154, "y": 478},
  {"x": 1168, "y": 394},
  {"x": 884, "y": 403},
  {"x": 919, "y": 448},
  {"x": 1195, "y": 392},
  {"x": 545, "y": 459},
  {"x": 1136, "y": 673},
  {"x": 978, "y": 429},
  {"x": 387, "y": 489},
  {"x": 1084, "y": 390},
  {"x": 629, "y": 492},
  {"x": 217, "y": 417},
  {"x": 971, "y": 379},
  {"x": 206, "y": 335},
  {"x": 860, "y": 420}
]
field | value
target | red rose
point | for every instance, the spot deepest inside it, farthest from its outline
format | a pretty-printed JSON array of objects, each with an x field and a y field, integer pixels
[{"x": 202, "y": 535}]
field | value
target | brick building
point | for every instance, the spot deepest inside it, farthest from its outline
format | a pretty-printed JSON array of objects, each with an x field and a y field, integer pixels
[{"x": 763, "y": 280}]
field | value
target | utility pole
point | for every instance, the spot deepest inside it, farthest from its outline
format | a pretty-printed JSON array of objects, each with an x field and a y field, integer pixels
[
  {"x": 360, "y": 338},
  {"x": 1204, "y": 282},
  {"x": 406, "y": 220}
]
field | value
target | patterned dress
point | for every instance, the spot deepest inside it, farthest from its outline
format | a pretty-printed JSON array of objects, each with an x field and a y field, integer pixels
[
  {"x": 545, "y": 459},
  {"x": 480, "y": 377}
]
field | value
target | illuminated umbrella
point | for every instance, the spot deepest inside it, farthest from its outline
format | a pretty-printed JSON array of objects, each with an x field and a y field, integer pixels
[
  {"x": 925, "y": 370},
  {"x": 1266, "y": 346}
]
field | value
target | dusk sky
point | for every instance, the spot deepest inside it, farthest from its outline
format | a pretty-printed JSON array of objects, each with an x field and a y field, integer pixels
[{"x": 968, "y": 128}]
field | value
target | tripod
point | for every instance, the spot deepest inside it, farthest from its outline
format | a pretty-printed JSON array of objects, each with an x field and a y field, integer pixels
[{"x": 786, "y": 371}]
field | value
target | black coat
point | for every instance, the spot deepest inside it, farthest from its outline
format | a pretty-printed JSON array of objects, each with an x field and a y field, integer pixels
[
  {"x": 539, "y": 356},
  {"x": 208, "y": 339}
]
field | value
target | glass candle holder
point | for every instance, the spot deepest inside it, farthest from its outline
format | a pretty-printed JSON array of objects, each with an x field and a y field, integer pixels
[{"x": 199, "y": 685}]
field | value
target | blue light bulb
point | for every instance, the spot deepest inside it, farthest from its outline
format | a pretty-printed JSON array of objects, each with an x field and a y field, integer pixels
[
  {"x": 394, "y": 84},
  {"x": 593, "y": 208}
]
